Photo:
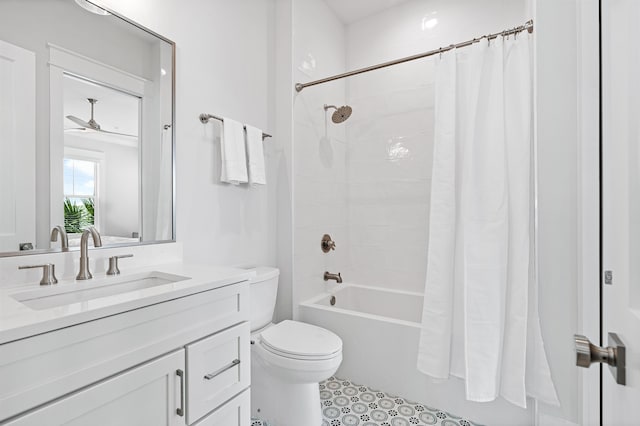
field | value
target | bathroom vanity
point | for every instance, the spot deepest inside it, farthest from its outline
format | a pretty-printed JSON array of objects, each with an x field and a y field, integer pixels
[{"x": 167, "y": 346}]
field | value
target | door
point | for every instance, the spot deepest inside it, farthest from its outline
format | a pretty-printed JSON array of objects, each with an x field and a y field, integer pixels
[
  {"x": 621, "y": 203},
  {"x": 147, "y": 395},
  {"x": 17, "y": 147}
]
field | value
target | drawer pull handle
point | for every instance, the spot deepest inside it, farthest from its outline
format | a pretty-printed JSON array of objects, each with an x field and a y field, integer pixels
[
  {"x": 222, "y": 370},
  {"x": 180, "y": 411}
]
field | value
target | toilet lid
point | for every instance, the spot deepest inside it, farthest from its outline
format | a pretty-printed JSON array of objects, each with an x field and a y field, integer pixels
[{"x": 300, "y": 340}]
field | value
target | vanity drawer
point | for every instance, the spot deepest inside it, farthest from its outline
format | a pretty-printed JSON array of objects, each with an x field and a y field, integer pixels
[
  {"x": 218, "y": 367},
  {"x": 236, "y": 412}
]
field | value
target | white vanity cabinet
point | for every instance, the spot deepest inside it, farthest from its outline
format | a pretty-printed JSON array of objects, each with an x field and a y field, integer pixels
[{"x": 180, "y": 362}]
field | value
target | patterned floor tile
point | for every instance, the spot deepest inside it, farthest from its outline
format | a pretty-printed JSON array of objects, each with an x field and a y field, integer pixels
[{"x": 345, "y": 403}]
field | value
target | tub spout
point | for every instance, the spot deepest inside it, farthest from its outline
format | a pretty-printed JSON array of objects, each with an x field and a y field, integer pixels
[{"x": 329, "y": 276}]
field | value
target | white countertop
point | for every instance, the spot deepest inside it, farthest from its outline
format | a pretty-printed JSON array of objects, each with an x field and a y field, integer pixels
[{"x": 18, "y": 321}]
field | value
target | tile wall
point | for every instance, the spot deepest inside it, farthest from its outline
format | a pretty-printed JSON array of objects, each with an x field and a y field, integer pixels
[{"x": 319, "y": 149}]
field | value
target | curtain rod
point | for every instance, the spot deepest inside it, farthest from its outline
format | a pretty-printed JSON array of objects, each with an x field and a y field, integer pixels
[
  {"x": 528, "y": 26},
  {"x": 204, "y": 119}
]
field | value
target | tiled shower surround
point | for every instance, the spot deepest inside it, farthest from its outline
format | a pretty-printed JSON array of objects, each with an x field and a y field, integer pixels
[
  {"x": 348, "y": 404},
  {"x": 390, "y": 145}
]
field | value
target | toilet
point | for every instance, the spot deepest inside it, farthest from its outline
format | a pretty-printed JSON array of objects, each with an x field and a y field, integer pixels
[{"x": 288, "y": 359}]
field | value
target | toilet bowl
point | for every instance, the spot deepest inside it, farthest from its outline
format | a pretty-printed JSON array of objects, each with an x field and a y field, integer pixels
[{"x": 288, "y": 360}]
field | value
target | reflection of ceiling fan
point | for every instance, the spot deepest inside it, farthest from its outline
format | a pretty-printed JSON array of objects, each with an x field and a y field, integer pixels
[{"x": 93, "y": 124}]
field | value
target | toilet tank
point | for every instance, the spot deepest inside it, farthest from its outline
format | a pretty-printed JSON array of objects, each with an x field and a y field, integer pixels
[{"x": 263, "y": 289}]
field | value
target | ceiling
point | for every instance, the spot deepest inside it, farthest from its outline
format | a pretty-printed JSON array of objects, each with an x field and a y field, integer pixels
[{"x": 353, "y": 10}]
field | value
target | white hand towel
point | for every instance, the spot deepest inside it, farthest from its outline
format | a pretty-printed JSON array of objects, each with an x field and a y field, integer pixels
[
  {"x": 255, "y": 156},
  {"x": 234, "y": 159}
]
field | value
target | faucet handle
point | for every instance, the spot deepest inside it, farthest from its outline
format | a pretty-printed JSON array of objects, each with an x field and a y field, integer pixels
[
  {"x": 48, "y": 273},
  {"x": 327, "y": 243},
  {"x": 113, "y": 264}
]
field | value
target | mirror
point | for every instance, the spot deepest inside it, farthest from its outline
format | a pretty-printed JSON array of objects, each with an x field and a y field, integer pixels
[{"x": 86, "y": 126}]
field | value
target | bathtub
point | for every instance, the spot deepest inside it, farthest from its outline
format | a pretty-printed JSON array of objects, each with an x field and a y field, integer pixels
[
  {"x": 379, "y": 328},
  {"x": 380, "y": 331}
]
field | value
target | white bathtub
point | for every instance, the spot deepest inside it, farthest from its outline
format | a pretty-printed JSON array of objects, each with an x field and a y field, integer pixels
[{"x": 380, "y": 330}]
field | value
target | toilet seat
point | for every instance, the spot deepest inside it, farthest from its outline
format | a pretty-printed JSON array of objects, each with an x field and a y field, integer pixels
[{"x": 300, "y": 341}]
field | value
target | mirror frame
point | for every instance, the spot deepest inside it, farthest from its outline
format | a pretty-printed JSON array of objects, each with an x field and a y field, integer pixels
[{"x": 129, "y": 21}]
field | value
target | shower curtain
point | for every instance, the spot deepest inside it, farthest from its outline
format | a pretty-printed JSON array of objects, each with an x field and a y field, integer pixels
[{"x": 480, "y": 315}]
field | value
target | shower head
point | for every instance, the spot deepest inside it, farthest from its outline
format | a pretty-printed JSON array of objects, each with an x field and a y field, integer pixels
[{"x": 341, "y": 114}]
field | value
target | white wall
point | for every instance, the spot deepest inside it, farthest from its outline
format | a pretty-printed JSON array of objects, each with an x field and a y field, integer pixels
[
  {"x": 558, "y": 149},
  {"x": 319, "y": 149},
  {"x": 223, "y": 67}
]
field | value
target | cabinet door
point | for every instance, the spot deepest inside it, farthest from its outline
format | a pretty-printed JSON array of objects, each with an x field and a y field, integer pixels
[
  {"x": 147, "y": 395},
  {"x": 219, "y": 367}
]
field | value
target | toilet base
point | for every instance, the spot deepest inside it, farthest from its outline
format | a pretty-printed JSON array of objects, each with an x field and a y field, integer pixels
[{"x": 284, "y": 404}]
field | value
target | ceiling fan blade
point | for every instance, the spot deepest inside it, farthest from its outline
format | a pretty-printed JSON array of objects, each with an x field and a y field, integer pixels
[
  {"x": 119, "y": 134},
  {"x": 89, "y": 129},
  {"x": 93, "y": 125},
  {"x": 78, "y": 121}
]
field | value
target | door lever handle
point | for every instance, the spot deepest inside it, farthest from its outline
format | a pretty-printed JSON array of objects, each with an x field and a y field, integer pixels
[{"x": 614, "y": 355}]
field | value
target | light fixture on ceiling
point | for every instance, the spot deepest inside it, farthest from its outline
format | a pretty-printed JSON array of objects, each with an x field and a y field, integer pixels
[
  {"x": 86, "y": 5},
  {"x": 427, "y": 25},
  {"x": 429, "y": 21}
]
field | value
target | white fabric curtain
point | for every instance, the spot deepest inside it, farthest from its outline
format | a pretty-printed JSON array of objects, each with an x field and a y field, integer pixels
[{"x": 480, "y": 316}]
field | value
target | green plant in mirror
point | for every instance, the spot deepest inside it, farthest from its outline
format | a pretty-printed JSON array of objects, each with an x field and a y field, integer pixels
[
  {"x": 78, "y": 214},
  {"x": 89, "y": 207}
]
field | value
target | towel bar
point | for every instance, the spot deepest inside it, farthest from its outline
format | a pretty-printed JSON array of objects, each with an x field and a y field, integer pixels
[{"x": 204, "y": 119}]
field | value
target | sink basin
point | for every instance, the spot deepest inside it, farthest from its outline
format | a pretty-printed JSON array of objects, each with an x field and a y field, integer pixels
[{"x": 91, "y": 290}]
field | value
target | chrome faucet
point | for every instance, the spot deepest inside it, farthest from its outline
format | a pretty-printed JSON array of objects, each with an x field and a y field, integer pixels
[
  {"x": 85, "y": 273},
  {"x": 64, "y": 240},
  {"x": 329, "y": 276}
]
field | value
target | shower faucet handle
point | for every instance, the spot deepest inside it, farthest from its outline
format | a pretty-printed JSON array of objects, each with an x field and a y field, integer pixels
[{"x": 327, "y": 244}]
